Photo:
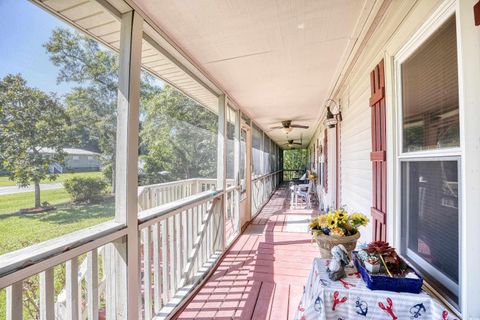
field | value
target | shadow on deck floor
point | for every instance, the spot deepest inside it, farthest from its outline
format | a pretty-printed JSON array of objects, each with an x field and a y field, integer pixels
[{"x": 263, "y": 274}]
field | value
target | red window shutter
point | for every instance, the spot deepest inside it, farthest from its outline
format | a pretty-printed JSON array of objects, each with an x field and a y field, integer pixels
[
  {"x": 325, "y": 161},
  {"x": 378, "y": 154}
]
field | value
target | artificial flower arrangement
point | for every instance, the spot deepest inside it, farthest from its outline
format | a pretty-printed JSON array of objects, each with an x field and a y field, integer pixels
[
  {"x": 379, "y": 256},
  {"x": 338, "y": 223},
  {"x": 382, "y": 268}
]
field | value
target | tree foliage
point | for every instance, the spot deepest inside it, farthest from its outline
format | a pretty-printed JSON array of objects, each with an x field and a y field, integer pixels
[
  {"x": 30, "y": 120},
  {"x": 295, "y": 159},
  {"x": 178, "y": 138},
  {"x": 92, "y": 103}
]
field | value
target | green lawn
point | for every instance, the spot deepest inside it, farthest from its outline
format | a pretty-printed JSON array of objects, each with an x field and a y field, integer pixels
[
  {"x": 11, "y": 203},
  {"x": 5, "y": 182},
  {"x": 20, "y": 230}
]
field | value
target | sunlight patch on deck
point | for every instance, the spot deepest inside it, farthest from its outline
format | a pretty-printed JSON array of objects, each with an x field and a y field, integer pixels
[{"x": 297, "y": 223}]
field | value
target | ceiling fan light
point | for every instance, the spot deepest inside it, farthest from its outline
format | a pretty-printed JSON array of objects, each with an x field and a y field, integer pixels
[{"x": 287, "y": 130}]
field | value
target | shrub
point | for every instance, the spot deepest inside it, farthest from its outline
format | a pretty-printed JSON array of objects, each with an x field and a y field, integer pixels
[{"x": 85, "y": 189}]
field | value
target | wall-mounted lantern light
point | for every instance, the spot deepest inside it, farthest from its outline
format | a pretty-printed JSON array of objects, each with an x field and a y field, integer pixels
[{"x": 332, "y": 119}]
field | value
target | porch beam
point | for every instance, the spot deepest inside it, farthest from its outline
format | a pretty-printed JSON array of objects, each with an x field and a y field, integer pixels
[{"x": 124, "y": 285}]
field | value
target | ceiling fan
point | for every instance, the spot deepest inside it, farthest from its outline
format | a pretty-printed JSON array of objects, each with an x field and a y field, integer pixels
[
  {"x": 292, "y": 143},
  {"x": 287, "y": 126}
]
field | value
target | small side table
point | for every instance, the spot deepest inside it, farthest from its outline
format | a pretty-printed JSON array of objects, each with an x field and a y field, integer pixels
[{"x": 349, "y": 298}]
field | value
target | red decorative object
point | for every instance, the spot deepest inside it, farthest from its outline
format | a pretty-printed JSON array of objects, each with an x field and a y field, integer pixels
[
  {"x": 388, "y": 309},
  {"x": 346, "y": 284},
  {"x": 325, "y": 160},
  {"x": 378, "y": 154},
  {"x": 337, "y": 301},
  {"x": 444, "y": 315},
  {"x": 476, "y": 13}
]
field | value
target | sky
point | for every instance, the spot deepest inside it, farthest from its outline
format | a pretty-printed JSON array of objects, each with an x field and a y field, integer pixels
[{"x": 24, "y": 28}]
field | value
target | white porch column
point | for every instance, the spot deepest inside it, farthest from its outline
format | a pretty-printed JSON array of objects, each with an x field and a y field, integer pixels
[
  {"x": 222, "y": 166},
  {"x": 236, "y": 168},
  {"x": 123, "y": 286},
  {"x": 468, "y": 78}
]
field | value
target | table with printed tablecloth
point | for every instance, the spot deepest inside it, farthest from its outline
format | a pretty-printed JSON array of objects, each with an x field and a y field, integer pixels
[{"x": 349, "y": 298}]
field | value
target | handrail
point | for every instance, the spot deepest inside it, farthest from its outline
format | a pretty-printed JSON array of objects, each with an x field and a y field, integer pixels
[
  {"x": 266, "y": 175},
  {"x": 150, "y": 216},
  {"x": 23, "y": 263},
  {"x": 172, "y": 183}
]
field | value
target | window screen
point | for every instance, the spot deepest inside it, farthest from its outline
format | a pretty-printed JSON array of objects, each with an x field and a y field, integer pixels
[
  {"x": 430, "y": 93},
  {"x": 430, "y": 216}
]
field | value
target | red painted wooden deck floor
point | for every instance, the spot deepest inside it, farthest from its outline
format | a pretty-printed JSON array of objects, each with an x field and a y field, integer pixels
[{"x": 262, "y": 275}]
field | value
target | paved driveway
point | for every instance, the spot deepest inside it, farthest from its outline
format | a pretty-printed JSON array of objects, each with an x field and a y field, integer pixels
[{"x": 31, "y": 188}]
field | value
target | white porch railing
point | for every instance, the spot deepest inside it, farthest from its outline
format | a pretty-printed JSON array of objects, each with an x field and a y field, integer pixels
[
  {"x": 262, "y": 188},
  {"x": 184, "y": 227}
]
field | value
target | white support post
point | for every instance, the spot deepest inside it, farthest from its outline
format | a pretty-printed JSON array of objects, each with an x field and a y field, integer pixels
[
  {"x": 236, "y": 170},
  {"x": 222, "y": 167},
  {"x": 124, "y": 284},
  {"x": 47, "y": 295}
]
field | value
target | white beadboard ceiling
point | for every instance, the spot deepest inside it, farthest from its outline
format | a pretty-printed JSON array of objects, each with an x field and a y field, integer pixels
[{"x": 278, "y": 59}]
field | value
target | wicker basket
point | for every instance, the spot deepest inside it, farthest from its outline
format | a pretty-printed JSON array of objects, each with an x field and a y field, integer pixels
[{"x": 326, "y": 243}]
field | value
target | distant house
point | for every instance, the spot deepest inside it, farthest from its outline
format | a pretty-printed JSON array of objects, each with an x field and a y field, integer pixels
[{"x": 75, "y": 160}]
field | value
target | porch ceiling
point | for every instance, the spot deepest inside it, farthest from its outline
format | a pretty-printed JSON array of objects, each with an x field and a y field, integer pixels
[{"x": 277, "y": 59}]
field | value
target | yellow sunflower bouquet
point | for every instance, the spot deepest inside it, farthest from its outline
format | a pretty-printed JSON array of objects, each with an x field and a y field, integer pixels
[{"x": 338, "y": 222}]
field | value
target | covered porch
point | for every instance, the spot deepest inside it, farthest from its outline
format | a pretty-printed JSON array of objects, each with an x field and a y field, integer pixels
[{"x": 201, "y": 112}]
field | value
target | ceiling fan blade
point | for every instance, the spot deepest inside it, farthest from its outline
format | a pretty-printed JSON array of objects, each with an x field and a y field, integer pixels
[
  {"x": 299, "y": 126},
  {"x": 278, "y": 127},
  {"x": 297, "y": 143}
]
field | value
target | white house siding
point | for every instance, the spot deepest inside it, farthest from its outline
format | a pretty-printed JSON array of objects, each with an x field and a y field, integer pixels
[
  {"x": 400, "y": 22},
  {"x": 355, "y": 147}
]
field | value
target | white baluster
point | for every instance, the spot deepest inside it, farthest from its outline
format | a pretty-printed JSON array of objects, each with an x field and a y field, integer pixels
[
  {"x": 47, "y": 294},
  {"x": 14, "y": 301},
  {"x": 157, "y": 289},
  {"x": 92, "y": 284},
  {"x": 147, "y": 281},
  {"x": 165, "y": 286},
  {"x": 72, "y": 289}
]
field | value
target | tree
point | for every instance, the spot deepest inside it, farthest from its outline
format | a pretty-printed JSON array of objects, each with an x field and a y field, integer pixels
[
  {"x": 29, "y": 121},
  {"x": 179, "y": 138},
  {"x": 295, "y": 159},
  {"x": 92, "y": 104}
]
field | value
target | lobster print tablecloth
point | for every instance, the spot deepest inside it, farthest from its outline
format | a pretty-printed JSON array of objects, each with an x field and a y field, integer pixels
[{"x": 349, "y": 299}]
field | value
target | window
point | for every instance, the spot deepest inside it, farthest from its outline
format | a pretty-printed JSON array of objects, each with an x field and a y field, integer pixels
[
  {"x": 430, "y": 93},
  {"x": 178, "y": 134},
  {"x": 431, "y": 218},
  {"x": 429, "y": 178},
  {"x": 243, "y": 162},
  {"x": 231, "y": 117},
  {"x": 71, "y": 80},
  {"x": 257, "y": 152}
]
